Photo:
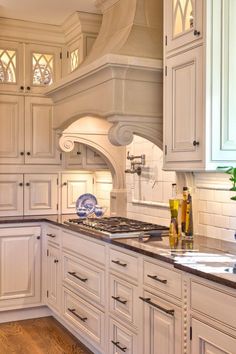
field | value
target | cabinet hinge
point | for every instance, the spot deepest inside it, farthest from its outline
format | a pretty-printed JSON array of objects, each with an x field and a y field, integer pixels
[
  {"x": 47, "y": 253},
  {"x": 165, "y": 149},
  {"x": 165, "y": 70},
  {"x": 60, "y": 155},
  {"x": 57, "y": 206},
  {"x": 47, "y": 293},
  {"x": 191, "y": 332},
  {"x": 165, "y": 40},
  {"x": 93, "y": 180},
  {"x": 68, "y": 54},
  {"x": 57, "y": 181},
  {"x": 60, "y": 55}
]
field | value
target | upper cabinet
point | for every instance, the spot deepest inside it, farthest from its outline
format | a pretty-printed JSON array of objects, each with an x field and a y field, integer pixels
[
  {"x": 183, "y": 23},
  {"x": 199, "y": 79},
  {"x": 28, "y": 68}
]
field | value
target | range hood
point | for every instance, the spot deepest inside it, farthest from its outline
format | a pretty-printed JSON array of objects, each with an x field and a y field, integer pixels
[
  {"x": 121, "y": 79},
  {"x": 118, "y": 87}
]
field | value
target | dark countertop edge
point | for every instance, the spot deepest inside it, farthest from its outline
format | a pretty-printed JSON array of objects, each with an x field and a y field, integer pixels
[
  {"x": 208, "y": 276},
  {"x": 99, "y": 237}
]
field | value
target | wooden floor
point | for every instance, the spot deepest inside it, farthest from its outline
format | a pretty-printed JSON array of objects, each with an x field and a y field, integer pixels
[{"x": 38, "y": 336}]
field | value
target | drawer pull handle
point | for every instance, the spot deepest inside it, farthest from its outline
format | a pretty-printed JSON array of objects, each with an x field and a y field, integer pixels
[
  {"x": 148, "y": 301},
  {"x": 155, "y": 277},
  {"x": 51, "y": 235},
  {"x": 196, "y": 33},
  {"x": 117, "y": 344},
  {"x": 119, "y": 263},
  {"x": 117, "y": 298},
  {"x": 84, "y": 319},
  {"x": 77, "y": 277}
]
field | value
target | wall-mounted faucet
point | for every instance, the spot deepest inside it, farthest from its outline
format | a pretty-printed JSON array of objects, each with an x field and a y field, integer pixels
[{"x": 135, "y": 165}]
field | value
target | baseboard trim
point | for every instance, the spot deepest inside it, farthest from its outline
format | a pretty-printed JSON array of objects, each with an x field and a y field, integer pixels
[{"x": 24, "y": 314}]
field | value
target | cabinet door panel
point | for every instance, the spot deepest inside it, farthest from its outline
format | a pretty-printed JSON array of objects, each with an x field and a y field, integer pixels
[
  {"x": 72, "y": 187},
  {"x": 12, "y": 129},
  {"x": 182, "y": 18},
  {"x": 20, "y": 266},
  {"x": 53, "y": 277},
  {"x": 121, "y": 339},
  {"x": 207, "y": 340},
  {"x": 40, "y": 139},
  {"x": 11, "y": 195},
  {"x": 40, "y": 195},
  {"x": 184, "y": 107},
  {"x": 93, "y": 158}
]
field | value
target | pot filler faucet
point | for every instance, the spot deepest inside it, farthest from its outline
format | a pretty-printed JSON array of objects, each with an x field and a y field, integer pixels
[{"x": 136, "y": 163}]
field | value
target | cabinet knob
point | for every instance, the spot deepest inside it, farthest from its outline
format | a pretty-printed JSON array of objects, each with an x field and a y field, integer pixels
[
  {"x": 78, "y": 153},
  {"x": 27, "y": 184},
  {"x": 56, "y": 261},
  {"x": 28, "y": 88},
  {"x": 65, "y": 184},
  {"x": 22, "y": 153},
  {"x": 21, "y": 88},
  {"x": 196, "y": 33},
  {"x": 28, "y": 153},
  {"x": 21, "y": 184},
  {"x": 195, "y": 143}
]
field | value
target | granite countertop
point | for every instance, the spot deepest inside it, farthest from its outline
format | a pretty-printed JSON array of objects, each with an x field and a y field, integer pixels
[{"x": 209, "y": 260}]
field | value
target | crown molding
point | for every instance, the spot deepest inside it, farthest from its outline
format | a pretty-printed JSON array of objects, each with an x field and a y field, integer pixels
[{"x": 104, "y": 5}]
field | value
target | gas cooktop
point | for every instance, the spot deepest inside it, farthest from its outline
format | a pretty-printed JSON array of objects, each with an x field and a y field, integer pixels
[{"x": 117, "y": 227}]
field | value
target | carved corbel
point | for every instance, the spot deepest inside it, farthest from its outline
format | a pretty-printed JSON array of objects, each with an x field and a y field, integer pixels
[{"x": 66, "y": 143}]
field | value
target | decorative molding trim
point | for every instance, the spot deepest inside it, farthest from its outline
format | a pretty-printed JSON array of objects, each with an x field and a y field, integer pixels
[
  {"x": 104, "y": 5},
  {"x": 149, "y": 203},
  {"x": 212, "y": 180}
]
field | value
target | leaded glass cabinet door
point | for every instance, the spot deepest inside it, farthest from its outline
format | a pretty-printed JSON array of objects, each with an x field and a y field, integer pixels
[
  {"x": 11, "y": 66},
  {"x": 184, "y": 22},
  {"x": 43, "y": 67}
]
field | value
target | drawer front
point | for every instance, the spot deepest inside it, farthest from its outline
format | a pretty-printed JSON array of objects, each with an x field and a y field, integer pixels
[
  {"x": 162, "y": 278},
  {"x": 53, "y": 235},
  {"x": 214, "y": 303},
  {"x": 123, "y": 300},
  {"x": 121, "y": 340},
  {"x": 124, "y": 263},
  {"x": 85, "y": 317},
  {"x": 86, "y": 248},
  {"x": 84, "y": 278}
]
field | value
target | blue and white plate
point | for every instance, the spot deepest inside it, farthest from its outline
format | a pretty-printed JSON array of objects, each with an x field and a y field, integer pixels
[{"x": 87, "y": 201}]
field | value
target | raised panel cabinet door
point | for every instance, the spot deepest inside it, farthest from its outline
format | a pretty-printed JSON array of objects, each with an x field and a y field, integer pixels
[
  {"x": 53, "y": 277},
  {"x": 183, "y": 127},
  {"x": 40, "y": 194},
  {"x": 73, "y": 185},
  {"x": 11, "y": 194},
  {"x": 208, "y": 340},
  {"x": 40, "y": 137},
  {"x": 43, "y": 67},
  {"x": 183, "y": 23},
  {"x": 20, "y": 266},
  {"x": 11, "y": 66},
  {"x": 121, "y": 340},
  {"x": 93, "y": 159},
  {"x": 12, "y": 129},
  {"x": 75, "y": 158},
  {"x": 162, "y": 326}
]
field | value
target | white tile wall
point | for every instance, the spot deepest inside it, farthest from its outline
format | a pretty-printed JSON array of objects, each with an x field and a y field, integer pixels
[
  {"x": 148, "y": 195},
  {"x": 103, "y": 187}
]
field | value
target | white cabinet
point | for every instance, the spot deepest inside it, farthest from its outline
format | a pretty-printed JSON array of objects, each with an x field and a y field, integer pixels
[
  {"x": 40, "y": 138},
  {"x": 183, "y": 23},
  {"x": 72, "y": 186},
  {"x": 84, "y": 157},
  {"x": 208, "y": 340},
  {"x": 162, "y": 326},
  {"x": 121, "y": 340},
  {"x": 28, "y": 68},
  {"x": 20, "y": 260},
  {"x": 29, "y": 194},
  {"x": 199, "y": 104},
  {"x": 27, "y": 134},
  {"x": 53, "y": 277}
]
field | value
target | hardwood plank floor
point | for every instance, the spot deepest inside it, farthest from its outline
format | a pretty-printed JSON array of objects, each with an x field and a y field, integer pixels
[{"x": 38, "y": 336}]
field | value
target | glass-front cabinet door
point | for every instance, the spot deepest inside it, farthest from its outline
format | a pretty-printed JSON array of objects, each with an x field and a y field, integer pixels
[
  {"x": 184, "y": 19},
  {"x": 11, "y": 66}
]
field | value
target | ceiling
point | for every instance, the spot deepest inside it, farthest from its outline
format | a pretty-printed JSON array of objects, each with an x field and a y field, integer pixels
[{"x": 44, "y": 11}]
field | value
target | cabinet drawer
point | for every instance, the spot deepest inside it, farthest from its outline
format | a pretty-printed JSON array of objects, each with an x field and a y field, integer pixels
[
  {"x": 124, "y": 263},
  {"x": 85, "y": 317},
  {"x": 123, "y": 300},
  {"x": 162, "y": 278},
  {"x": 86, "y": 248},
  {"x": 214, "y": 303},
  {"x": 53, "y": 235},
  {"x": 121, "y": 339},
  {"x": 84, "y": 278}
]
